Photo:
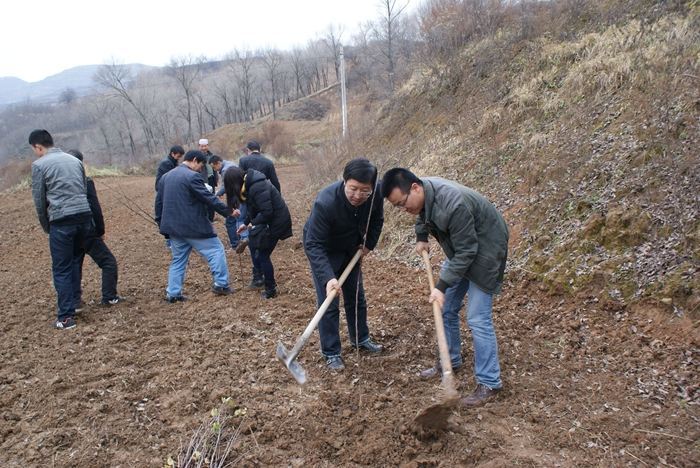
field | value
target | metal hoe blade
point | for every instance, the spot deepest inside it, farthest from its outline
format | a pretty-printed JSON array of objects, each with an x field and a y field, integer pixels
[
  {"x": 289, "y": 357},
  {"x": 435, "y": 416},
  {"x": 291, "y": 363}
]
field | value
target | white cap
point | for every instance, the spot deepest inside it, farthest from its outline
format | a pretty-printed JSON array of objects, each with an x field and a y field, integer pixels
[{"x": 203, "y": 141}]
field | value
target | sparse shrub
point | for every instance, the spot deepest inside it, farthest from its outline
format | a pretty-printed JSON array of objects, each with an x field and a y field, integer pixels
[
  {"x": 16, "y": 173},
  {"x": 275, "y": 139},
  {"x": 212, "y": 444},
  {"x": 270, "y": 131},
  {"x": 283, "y": 146},
  {"x": 304, "y": 109}
]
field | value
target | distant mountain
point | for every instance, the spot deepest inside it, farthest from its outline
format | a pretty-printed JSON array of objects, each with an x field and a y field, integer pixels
[{"x": 48, "y": 90}]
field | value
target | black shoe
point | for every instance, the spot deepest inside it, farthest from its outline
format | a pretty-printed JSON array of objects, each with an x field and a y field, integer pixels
[
  {"x": 270, "y": 291},
  {"x": 482, "y": 395},
  {"x": 335, "y": 363},
  {"x": 173, "y": 299},
  {"x": 370, "y": 347},
  {"x": 258, "y": 281},
  {"x": 79, "y": 307},
  {"x": 222, "y": 290},
  {"x": 112, "y": 302},
  {"x": 65, "y": 324},
  {"x": 255, "y": 286}
]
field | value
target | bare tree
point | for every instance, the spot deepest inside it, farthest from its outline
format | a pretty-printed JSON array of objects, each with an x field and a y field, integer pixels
[
  {"x": 68, "y": 96},
  {"x": 317, "y": 65},
  {"x": 387, "y": 31},
  {"x": 241, "y": 65},
  {"x": 331, "y": 38},
  {"x": 364, "y": 56},
  {"x": 185, "y": 69},
  {"x": 225, "y": 96},
  {"x": 116, "y": 77},
  {"x": 99, "y": 111},
  {"x": 298, "y": 70},
  {"x": 272, "y": 59}
]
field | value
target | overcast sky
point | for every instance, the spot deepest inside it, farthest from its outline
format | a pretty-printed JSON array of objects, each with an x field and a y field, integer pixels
[{"x": 41, "y": 38}]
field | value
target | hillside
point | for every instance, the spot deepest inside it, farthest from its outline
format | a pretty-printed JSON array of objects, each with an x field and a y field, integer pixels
[
  {"x": 48, "y": 91},
  {"x": 588, "y": 145}
]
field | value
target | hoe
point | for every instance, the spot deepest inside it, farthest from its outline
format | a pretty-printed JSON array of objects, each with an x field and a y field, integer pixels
[
  {"x": 435, "y": 416},
  {"x": 289, "y": 358}
]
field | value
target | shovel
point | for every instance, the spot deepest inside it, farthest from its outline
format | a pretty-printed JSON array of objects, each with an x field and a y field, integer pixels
[
  {"x": 289, "y": 358},
  {"x": 435, "y": 416}
]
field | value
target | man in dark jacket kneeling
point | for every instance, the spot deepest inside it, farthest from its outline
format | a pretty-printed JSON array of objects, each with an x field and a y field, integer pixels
[{"x": 185, "y": 219}]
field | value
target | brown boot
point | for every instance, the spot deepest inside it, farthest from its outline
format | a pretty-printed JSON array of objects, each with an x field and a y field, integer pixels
[
  {"x": 431, "y": 372},
  {"x": 435, "y": 371},
  {"x": 482, "y": 395},
  {"x": 240, "y": 248}
]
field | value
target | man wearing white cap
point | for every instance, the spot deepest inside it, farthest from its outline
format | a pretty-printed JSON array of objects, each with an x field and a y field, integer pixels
[{"x": 208, "y": 174}]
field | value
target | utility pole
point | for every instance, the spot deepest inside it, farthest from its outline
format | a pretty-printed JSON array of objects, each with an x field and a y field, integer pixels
[{"x": 342, "y": 91}]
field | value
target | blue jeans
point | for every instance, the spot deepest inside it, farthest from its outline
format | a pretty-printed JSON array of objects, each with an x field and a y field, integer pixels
[
  {"x": 232, "y": 225},
  {"x": 328, "y": 327},
  {"x": 210, "y": 248},
  {"x": 64, "y": 244},
  {"x": 480, "y": 322}
]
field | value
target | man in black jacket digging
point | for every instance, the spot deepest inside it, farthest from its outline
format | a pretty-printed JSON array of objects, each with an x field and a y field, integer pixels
[
  {"x": 95, "y": 247},
  {"x": 347, "y": 215}
]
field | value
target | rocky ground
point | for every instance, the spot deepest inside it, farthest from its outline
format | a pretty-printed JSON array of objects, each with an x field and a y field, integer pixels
[{"x": 588, "y": 381}]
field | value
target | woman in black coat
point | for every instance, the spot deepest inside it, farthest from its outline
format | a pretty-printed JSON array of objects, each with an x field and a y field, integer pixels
[{"x": 265, "y": 207}]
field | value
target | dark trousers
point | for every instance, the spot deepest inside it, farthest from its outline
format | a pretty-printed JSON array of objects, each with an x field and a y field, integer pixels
[
  {"x": 261, "y": 260},
  {"x": 158, "y": 208},
  {"x": 64, "y": 244},
  {"x": 96, "y": 248},
  {"x": 328, "y": 327}
]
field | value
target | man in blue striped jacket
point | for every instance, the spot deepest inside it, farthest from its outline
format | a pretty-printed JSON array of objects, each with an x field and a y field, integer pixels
[{"x": 185, "y": 219}]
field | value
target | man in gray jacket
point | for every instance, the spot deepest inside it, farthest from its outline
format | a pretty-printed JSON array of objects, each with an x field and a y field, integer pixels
[
  {"x": 59, "y": 189},
  {"x": 474, "y": 237}
]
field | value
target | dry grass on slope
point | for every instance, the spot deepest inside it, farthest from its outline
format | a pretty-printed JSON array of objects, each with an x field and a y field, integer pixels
[{"x": 589, "y": 146}]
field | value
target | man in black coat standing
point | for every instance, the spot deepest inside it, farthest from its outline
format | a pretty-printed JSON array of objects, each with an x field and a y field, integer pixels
[
  {"x": 347, "y": 215},
  {"x": 255, "y": 160},
  {"x": 210, "y": 176},
  {"x": 166, "y": 165},
  {"x": 94, "y": 245}
]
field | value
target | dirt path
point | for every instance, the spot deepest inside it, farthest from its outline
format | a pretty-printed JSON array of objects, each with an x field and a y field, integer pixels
[{"x": 588, "y": 383}]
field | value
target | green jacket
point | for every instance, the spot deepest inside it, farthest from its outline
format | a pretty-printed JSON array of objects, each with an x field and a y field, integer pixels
[{"x": 470, "y": 230}]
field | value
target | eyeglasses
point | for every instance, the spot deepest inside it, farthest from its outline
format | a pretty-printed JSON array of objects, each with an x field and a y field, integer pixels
[
  {"x": 403, "y": 203},
  {"x": 358, "y": 193}
]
